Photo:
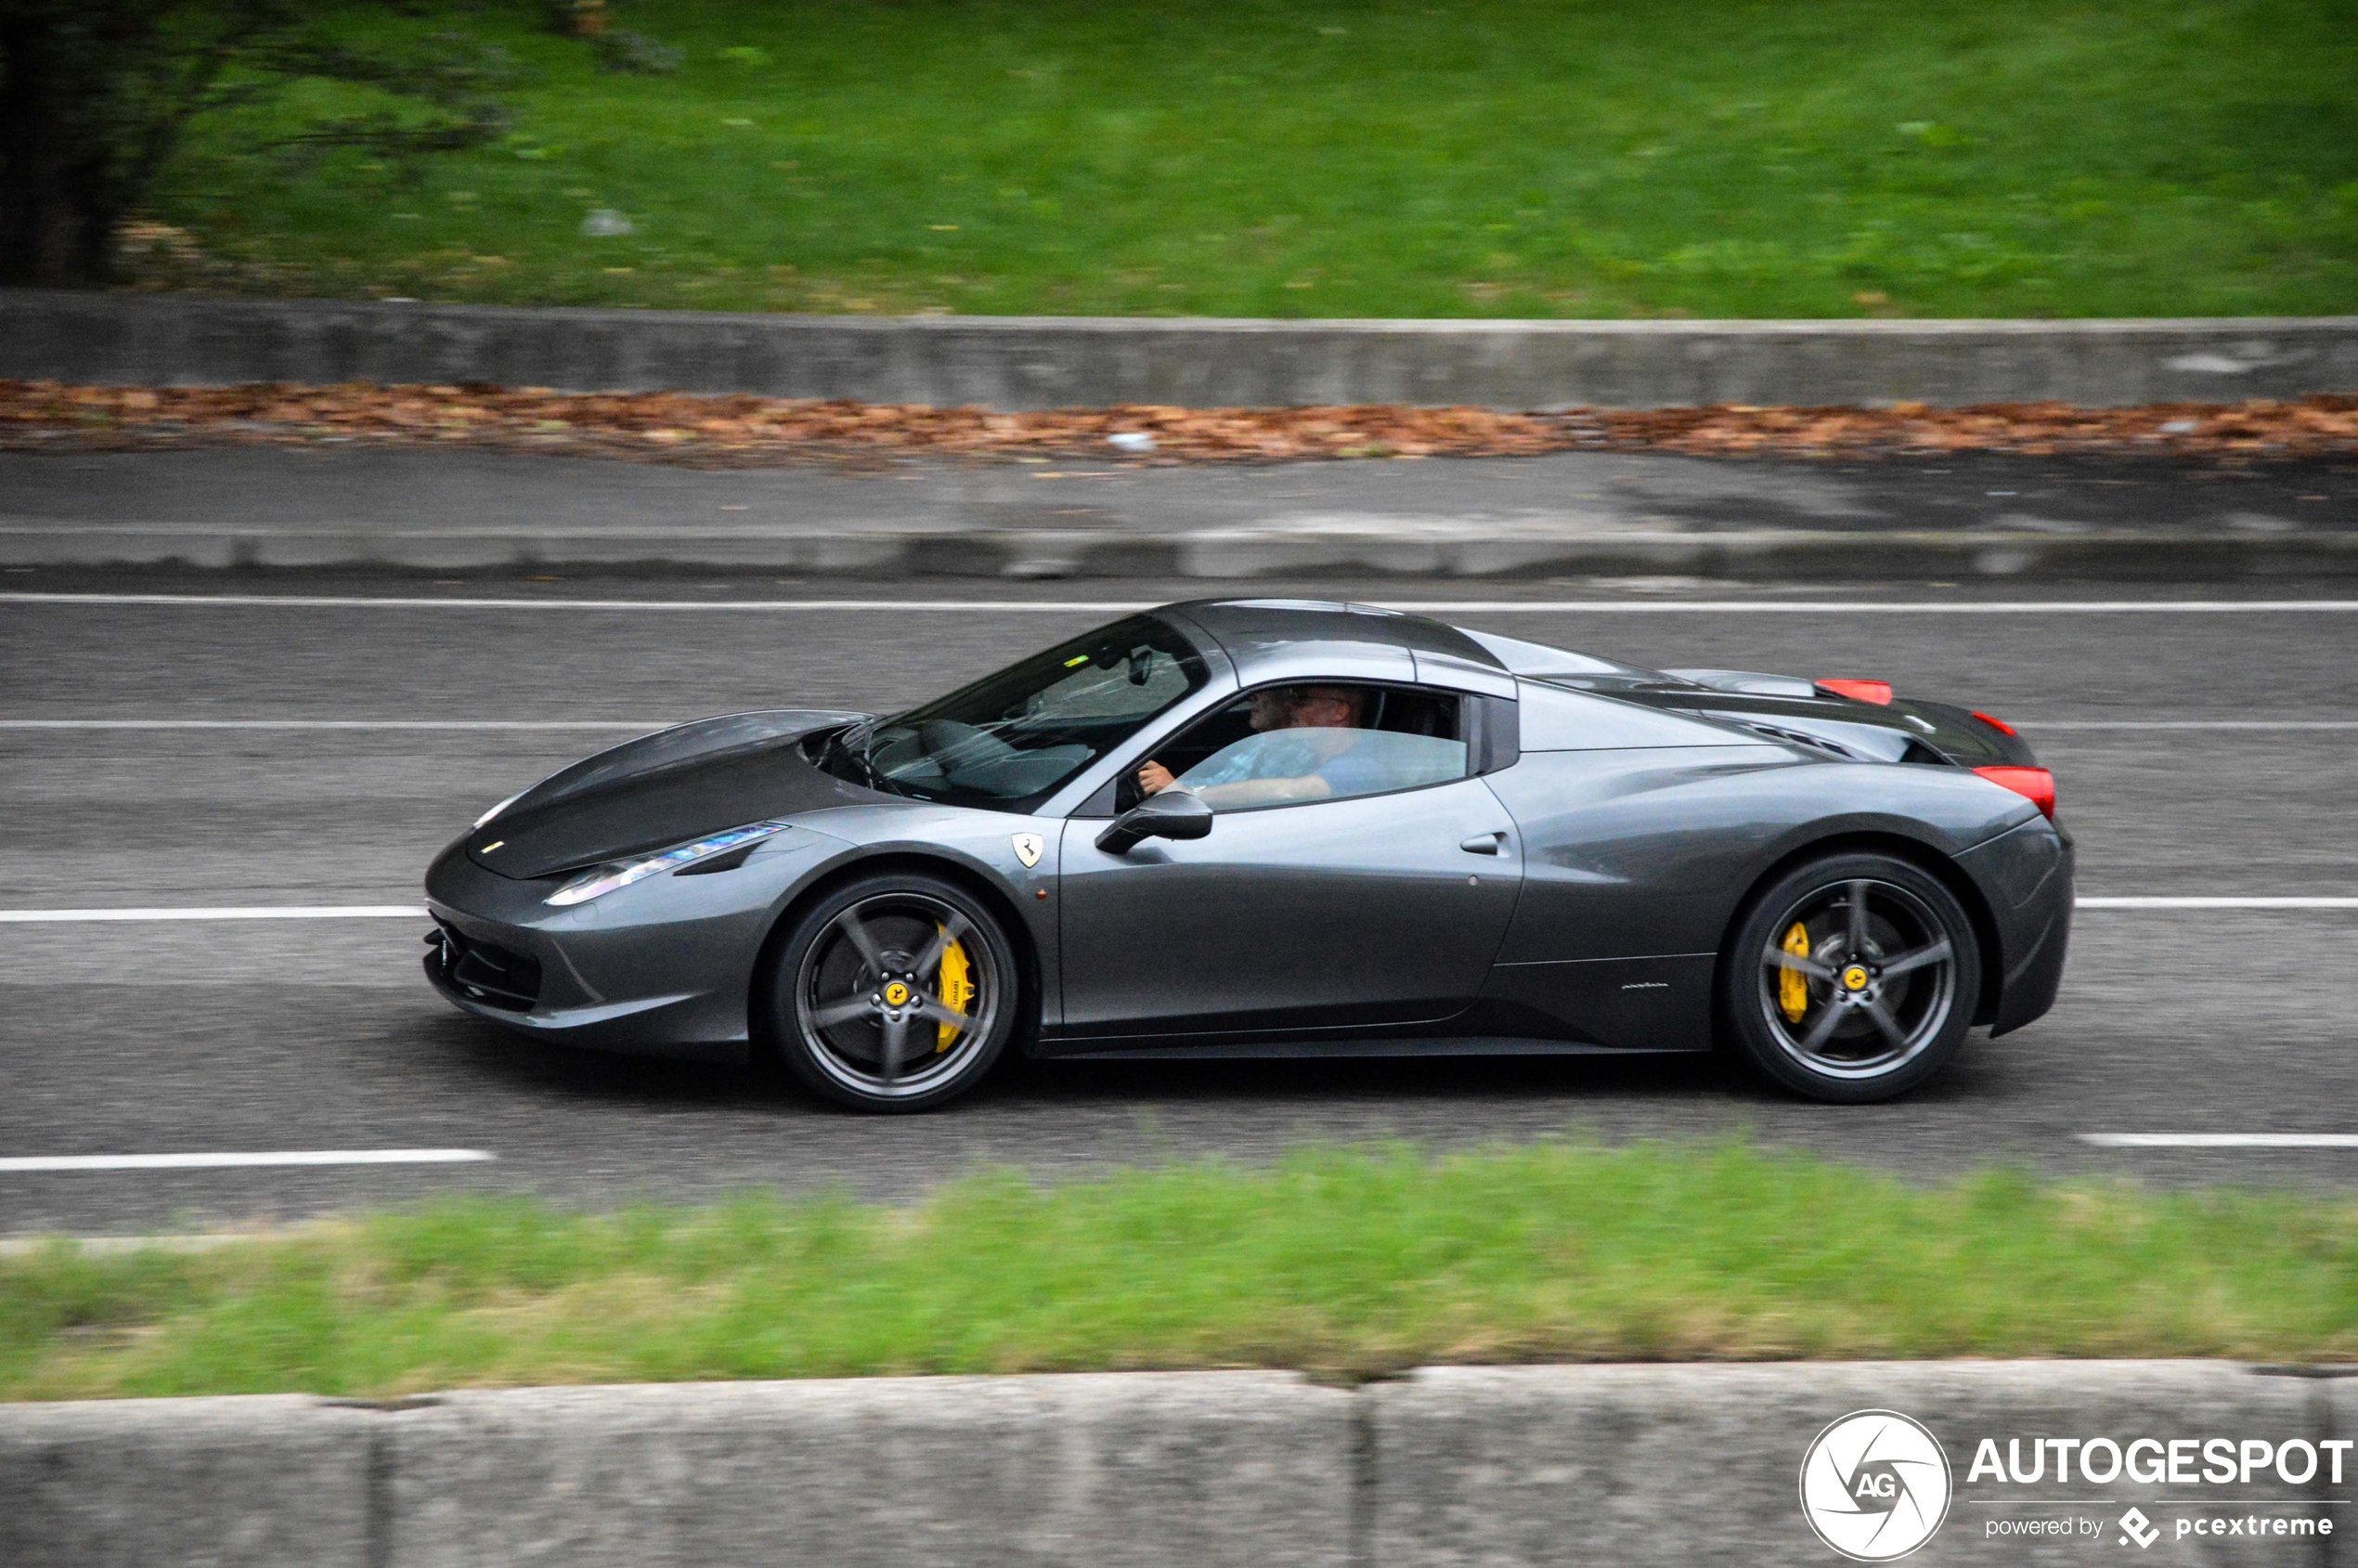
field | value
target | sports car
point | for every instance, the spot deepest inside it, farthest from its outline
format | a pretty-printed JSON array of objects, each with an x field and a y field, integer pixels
[{"x": 1280, "y": 828}]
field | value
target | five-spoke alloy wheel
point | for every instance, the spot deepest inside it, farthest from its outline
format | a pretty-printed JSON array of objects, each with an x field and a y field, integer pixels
[
  {"x": 894, "y": 993},
  {"x": 1852, "y": 979}
]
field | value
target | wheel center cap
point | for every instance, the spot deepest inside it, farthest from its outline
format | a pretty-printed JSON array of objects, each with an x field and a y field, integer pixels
[
  {"x": 896, "y": 994},
  {"x": 1854, "y": 978}
]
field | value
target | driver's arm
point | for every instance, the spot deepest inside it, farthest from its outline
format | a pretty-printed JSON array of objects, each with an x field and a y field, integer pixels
[{"x": 1154, "y": 778}]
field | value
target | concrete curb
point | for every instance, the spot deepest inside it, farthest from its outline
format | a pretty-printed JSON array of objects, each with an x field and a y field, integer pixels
[
  {"x": 1015, "y": 363},
  {"x": 263, "y": 1480},
  {"x": 1461, "y": 1465},
  {"x": 1700, "y": 1464},
  {"x": 1228, "y": 553}
]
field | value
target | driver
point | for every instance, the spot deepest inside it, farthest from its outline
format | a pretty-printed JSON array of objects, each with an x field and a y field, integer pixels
[{"x": 1318, "y": 756}]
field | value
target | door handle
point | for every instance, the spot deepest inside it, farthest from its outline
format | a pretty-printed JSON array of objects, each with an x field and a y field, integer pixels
[{"x": 1484, "y": 844}]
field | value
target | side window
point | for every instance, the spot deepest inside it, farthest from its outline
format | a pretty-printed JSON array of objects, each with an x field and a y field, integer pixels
[{"x": 1289, "y": 744}]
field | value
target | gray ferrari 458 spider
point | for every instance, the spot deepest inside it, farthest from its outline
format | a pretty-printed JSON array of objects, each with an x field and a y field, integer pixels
[{"x": 1275, "y": 828}]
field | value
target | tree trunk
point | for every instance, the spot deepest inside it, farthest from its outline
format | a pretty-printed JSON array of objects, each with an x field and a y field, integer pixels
[{"x": 57, "y": 225}]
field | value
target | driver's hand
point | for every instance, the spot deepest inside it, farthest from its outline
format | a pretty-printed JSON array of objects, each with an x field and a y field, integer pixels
[{"x": 1154, "y": 778}]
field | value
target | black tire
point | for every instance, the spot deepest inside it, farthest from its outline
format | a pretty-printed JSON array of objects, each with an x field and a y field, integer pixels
[
  {"x": 856, "y": 1008},
  {"x": 1835, "y": 1023}
]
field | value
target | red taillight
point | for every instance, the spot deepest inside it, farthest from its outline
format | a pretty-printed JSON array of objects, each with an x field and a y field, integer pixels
[
  {"x": 1998, "y": 724},
  {"x": 2035, "y": 785},
  {"x": 1876, "y": 691}
]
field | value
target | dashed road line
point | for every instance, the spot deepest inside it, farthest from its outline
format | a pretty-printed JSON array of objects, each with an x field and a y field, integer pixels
[
  {"x": 2290, "y": 901},
  {"x": 2261, "y": 724},
  {"x": 57, "y": 1162},
  {"x": 1123, "y": 606},
  {"x": 2220, "y": 1140},
  {"x": 127, "y": 1246},
  {"x": 648, "y": 726},
  {"x": 230, "y": 912},
  {"x": 418, "y": 912},
  {"x": 633, "y": 725}
]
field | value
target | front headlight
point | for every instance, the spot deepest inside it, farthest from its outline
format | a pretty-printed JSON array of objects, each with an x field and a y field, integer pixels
[{"x": 600, "y": 880}]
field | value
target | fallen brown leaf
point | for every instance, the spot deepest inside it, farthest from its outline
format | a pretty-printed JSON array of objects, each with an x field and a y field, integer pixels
[{"x": 741, "y": 430}]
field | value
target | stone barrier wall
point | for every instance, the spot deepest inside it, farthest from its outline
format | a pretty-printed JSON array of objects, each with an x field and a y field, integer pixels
[
  {"x": 1027, "y": 363},
  {"x": 1500, "y": 1466}
]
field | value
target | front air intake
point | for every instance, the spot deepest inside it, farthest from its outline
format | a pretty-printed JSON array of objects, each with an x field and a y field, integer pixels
[{"x": 484, "y": 972}]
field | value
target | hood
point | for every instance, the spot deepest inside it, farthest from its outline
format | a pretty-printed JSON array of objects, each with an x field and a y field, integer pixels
[{"x": 662, "y": 789}]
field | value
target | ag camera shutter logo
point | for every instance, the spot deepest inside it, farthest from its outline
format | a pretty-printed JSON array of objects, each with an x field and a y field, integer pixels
[{"x": 1875, "y": 1485}]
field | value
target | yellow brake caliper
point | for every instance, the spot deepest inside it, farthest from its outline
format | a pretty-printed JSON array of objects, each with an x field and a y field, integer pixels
[
  {"x": 1793, "y": 986},
  {"x": 957, "y": 991}
]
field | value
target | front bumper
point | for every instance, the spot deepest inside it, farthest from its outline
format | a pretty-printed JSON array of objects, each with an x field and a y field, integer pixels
[{"x": 664, "y": 967}]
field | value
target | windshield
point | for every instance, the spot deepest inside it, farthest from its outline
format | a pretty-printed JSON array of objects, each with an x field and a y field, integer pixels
[{"x": 1009, "y": 739}]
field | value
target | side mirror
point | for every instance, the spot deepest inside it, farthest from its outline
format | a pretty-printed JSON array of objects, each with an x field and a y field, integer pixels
[{"x": 1175, "y": 813}]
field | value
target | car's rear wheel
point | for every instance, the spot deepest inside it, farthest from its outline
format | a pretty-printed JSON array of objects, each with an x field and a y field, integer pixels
[
  {"x": 894, "y": 993},
  {"x": 1852, "y": 979}
]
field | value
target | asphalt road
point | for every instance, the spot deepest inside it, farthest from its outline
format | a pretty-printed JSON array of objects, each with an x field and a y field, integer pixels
[
  {"x": 359, "y": 489},
  {"x": 455, "y": 511},
  {"x": 212, "y": 1036}
]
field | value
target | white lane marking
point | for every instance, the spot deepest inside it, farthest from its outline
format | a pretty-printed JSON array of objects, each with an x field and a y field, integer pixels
[
  {"x": 648, "y": 726},
  {"x": 1119, "y": 606},
  {"x": 359, "y": 602},
  {"x": 418, "y": 912},
  {"x": 2220, "y": 1140},
  {"x": 228, "y": 1161},
  {"x": 123, "y": 1245},
  {"x": 2291, "y": 902},
  {"x": 1895, "y": 607},
  {"x": 2186, "y": 723},
  {"x": 230, "y": 912},
  {"x": 632, "y": 724}
]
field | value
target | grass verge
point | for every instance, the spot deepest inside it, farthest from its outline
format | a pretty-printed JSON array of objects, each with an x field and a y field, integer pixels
[
  {"x": 1385, "y": 158},
  {"x": 1345, "y": 1262}
]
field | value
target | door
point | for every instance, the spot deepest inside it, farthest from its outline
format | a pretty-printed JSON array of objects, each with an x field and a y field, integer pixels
[{"x": 1376, "y": 910}]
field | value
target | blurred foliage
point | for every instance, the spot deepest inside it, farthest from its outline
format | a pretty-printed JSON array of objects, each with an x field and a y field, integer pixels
[
  {"x": 1349, "y": 1263},
  {"x": 96, "y": 96},
  {"x": 1543, "y": 158}
]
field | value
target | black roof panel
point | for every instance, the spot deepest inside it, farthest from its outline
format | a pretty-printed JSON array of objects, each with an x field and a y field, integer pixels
[{"x": 1253, "y": 629}]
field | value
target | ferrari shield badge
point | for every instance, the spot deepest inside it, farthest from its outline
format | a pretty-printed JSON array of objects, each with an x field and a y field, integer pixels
[{"x": 1028, "y": 848}]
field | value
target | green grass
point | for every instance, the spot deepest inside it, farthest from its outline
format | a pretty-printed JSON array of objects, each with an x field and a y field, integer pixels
[
  {"x": 1350, "y": 1263},
  {"x": 1372, "y": 157}
]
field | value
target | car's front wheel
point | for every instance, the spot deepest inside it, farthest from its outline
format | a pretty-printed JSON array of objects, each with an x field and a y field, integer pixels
[
  {"x": 1852, "y": 979},
  {"x": 894, "y": 993}
]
